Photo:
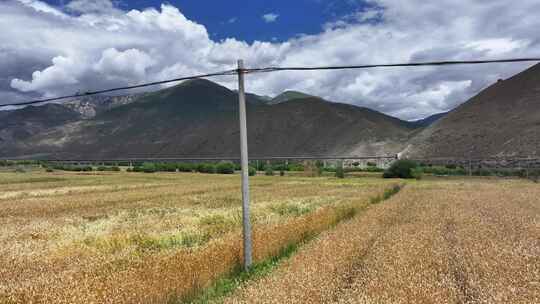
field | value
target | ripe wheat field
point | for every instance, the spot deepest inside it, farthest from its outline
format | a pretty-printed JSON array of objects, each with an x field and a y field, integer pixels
[
  {"x": 151, "y": 238},
  {"x": 446, "y": 241},
  {"x": 164, "y": 238}
]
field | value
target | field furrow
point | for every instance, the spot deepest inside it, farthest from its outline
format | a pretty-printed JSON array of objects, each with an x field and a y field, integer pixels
[{"x": 431, "y": 243}]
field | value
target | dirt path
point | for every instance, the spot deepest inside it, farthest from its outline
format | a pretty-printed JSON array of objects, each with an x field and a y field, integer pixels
[{"x": 441, "y": 243}]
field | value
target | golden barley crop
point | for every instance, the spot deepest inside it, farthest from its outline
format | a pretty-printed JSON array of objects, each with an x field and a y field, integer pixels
[
  {"x": 446, "y": 241},
  {"x": 139, "y": 238}
]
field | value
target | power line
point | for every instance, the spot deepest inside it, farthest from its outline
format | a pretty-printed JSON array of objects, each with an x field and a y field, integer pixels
[
  {"x": 276, "y": 69},
  {"x": 224, "y": 73},
  {"x": 412, "y": 64}
]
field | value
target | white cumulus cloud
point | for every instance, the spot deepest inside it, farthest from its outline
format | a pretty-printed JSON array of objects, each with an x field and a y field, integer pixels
[
  {"x": 270, "y": 17},
  {"x": 64, "y": 72},
  {"x": 128, "y": 64},
  {"x": 95, "y": 6},
  {"x": 52, "y": 50}
]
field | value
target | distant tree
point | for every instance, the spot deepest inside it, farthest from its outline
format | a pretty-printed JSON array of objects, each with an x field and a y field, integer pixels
[
  {"x": 402, "y": 168},
  {"x": 534, "y": 175},
  {"x": 184, "y": 167},
  {"x": 225, "y": 168},
  {"x": 252, "y": 171},
  {"x": 168, "y": 167},
  {"x": 281, "y": 167},
  {"x": 340, "y": 173},
  {"x": 206, "y": 168},
  {"x": 297, "y": 167},
  {"x": 148, "y": 168}
]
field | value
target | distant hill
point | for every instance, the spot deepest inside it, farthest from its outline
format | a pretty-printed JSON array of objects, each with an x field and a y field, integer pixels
[
  {"x": 90, "y": 106},
  {"x": 200, "y": 118},
  {"x": 289, "y": 95},
  {"x": 428, "y": 121},
  {"x": 502, "y": 120},
  {"x": 19, "y": 127}
]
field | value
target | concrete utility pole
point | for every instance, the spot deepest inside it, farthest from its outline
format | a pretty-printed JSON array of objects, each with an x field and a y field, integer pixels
[
  {"x": 470, "y": 162},
  {"x": 245, "y": 167}
]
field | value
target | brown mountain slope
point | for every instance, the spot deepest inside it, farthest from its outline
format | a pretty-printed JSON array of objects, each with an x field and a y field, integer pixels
[
  {"x": 503, "y": 120},
  {"x": 200, "y": 118},
  {"x": 17, "y": 128}
]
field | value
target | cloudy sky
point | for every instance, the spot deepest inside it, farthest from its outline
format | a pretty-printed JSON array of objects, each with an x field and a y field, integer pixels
[{"x": 55, "y": 47}]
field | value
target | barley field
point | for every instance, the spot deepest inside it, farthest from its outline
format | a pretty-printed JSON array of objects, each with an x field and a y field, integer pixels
[
  {"x": 152, "y": 238},
  {"x": 444, "y": 241},
  {"x": 167, "y": 237}
]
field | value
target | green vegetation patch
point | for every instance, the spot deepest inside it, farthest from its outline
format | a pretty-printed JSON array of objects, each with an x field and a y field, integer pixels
[
  {"x": 228, "y": 284},
  {"x": 288, "y": 209},
  {"x": 45, "y": 179},
  {"x": 403, "y": 168},
  {"x": 142, "y": 243},
  {"x": 388, "y": 193},
  {"x": 218, "y": 224}
]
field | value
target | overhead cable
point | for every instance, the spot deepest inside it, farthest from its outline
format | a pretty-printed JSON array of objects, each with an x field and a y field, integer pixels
[{"x": 274, "y": 69}]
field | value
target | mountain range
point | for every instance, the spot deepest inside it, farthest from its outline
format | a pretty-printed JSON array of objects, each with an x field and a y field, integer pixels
[
  {"x": 501, "y": 121},
  {"x": 428, "y": 121},
  {"x": 200, "y": 118}
]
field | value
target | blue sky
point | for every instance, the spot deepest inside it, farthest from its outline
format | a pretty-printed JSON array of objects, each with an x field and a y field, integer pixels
[{"x": 243, "y": 19}]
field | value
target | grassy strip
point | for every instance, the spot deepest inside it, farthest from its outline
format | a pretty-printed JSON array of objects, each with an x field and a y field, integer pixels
[
  {"x": 388, "y": 193},
  {"x": 228, "y": 284},
  {"x": 33, "y": 180}
]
